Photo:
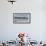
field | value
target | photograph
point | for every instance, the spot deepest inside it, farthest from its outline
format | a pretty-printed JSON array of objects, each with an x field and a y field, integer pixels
[{"x": 22, "y": 22}]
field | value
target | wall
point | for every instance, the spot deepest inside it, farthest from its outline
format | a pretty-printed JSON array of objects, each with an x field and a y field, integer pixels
[{"x": 37, "y": 28}]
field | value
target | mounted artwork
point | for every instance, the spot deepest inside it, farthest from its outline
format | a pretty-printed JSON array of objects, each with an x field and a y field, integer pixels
[{"x": 21, "y": 18}]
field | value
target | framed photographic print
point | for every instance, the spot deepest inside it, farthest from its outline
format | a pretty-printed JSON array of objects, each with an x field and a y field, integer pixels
[{"x": 21, "y": 18}]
